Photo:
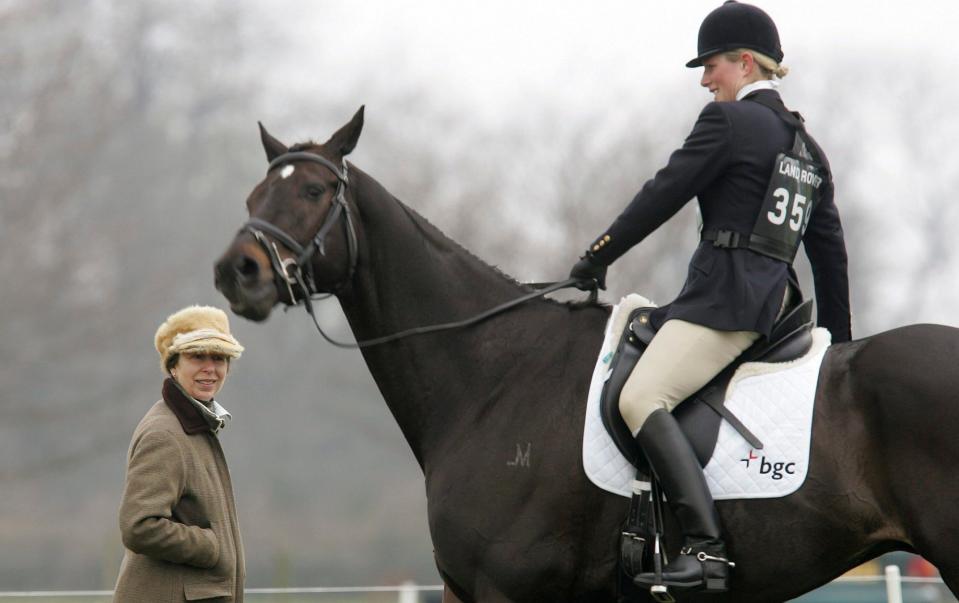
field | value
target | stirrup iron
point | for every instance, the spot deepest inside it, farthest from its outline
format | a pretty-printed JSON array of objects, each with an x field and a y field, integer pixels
[{"x": 661, "y": 594}]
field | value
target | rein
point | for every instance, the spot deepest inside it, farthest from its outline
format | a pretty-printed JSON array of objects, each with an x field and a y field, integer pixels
[
  {"x": 298, "y": 270},
  {"x": 542, "y": 289}
]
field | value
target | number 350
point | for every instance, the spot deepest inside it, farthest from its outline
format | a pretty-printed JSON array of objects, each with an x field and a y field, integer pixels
[{"x": 778, "y": 216}]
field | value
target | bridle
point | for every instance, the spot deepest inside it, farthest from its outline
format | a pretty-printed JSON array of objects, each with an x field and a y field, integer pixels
[{"x": 298, "y": 270}]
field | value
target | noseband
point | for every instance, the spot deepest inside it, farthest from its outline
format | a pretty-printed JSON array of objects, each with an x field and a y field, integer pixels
[{"x": 298, "y": 270}]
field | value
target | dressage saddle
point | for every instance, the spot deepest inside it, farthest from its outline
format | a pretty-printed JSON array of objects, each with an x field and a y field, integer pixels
[{"x": 700, "y": 415}]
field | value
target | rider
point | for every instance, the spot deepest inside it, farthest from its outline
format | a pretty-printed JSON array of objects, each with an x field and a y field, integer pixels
[{"x": 763, "y": 185}]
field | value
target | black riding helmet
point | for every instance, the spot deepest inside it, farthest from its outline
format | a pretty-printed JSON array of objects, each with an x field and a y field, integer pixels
[{"x": 737, "y": 25}]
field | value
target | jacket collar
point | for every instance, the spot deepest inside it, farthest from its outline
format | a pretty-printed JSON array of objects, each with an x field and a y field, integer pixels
[
  {"x": 755, "y": 87},
  {"x": 767, "y": 92},
  {"x": 771, "y": 99},
  {"x": 191, "y": 420}
]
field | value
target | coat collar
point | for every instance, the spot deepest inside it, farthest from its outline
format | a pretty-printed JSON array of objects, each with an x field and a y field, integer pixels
[
  {"x": 767, "y": 92},
  {"x": 191, "y": 420},
  {"x": 755, "y": 87}
]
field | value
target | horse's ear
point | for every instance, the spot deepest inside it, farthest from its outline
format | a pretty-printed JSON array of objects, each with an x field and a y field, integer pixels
[
  {"x": 344, "y": 140},
  {"x": 273, "y": 147}
]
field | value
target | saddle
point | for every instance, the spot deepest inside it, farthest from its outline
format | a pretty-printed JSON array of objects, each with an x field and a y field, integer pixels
[{"x": 699, "y": 415}]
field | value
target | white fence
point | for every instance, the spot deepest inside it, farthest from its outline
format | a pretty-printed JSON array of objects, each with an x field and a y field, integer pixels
[{"x": 409, "y": 592}]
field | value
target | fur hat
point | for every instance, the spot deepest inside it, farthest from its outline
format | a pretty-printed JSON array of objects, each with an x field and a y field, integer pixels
[{"x": 196, "y": 329}]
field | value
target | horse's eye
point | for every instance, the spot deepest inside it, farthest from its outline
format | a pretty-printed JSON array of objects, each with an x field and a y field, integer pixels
[{"x": 314, "y": 192}]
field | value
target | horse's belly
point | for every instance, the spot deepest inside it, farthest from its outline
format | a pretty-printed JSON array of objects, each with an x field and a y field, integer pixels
[{"x": 513, "y": 570}]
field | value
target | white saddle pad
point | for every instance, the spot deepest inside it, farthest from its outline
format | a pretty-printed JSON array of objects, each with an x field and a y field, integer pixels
[{"x": 775, "y": 401}]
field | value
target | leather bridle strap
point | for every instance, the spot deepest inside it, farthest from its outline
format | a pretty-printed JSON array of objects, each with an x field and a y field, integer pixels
[
  {"x": 298, "y": 250},
  {"x": 302, "y": 265}
]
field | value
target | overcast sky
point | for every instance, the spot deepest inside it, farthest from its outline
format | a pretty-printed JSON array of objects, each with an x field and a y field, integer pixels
[{"x": 495, "y": 54}]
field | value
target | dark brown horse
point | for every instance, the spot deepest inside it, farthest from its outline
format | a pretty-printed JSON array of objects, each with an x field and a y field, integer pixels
[{"x": 531, "y": 527}]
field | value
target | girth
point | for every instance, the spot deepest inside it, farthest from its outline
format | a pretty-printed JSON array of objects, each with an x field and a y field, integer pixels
[{"x": 700, "y": 415}]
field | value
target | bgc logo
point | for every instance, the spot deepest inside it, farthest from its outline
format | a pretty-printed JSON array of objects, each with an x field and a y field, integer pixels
[{"x": 775, "y": 470}]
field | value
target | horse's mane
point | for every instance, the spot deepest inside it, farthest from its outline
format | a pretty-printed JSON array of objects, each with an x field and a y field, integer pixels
[{"x": 435, "y": 234}]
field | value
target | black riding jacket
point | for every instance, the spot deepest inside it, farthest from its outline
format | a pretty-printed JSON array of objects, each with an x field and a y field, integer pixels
[{"x": 726, "y": 162}]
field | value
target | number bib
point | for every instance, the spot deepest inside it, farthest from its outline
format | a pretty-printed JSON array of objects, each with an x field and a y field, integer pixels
[{"x": 795, "y": 189}]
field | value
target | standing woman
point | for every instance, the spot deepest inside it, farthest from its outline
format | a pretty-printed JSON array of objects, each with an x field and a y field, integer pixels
[
  {"x": 178, "y": 517},
  {"x": 763, "y": 186}
]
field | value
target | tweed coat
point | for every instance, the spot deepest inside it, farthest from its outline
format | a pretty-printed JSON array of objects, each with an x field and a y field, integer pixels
[
  {"x": 178, "y": 516},
  {"x": 726, "y": 163}
]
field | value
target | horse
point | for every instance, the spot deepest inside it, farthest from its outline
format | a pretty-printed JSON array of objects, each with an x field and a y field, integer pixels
[{"x": 494, "y": 412}]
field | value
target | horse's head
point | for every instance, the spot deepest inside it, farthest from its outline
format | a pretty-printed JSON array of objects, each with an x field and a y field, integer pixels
[{"x": 300, "y": 238}]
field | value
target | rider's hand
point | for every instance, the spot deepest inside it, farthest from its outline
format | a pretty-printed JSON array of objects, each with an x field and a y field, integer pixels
[{"x": 589, "y": 273}]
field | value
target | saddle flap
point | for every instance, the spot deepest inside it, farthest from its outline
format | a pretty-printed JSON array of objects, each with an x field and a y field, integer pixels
[
  {"x": 627, "y": 354},
  {"x": 698, "y": 421}
]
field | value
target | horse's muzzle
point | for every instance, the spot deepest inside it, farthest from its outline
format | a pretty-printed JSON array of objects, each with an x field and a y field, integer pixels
[{"x": 238, "y": 276}]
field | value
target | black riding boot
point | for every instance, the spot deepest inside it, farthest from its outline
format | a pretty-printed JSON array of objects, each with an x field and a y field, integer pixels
[{"x": 702, "y": 562}]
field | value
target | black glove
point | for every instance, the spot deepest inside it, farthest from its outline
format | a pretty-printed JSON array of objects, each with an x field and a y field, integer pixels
[{"x": 589, "y": 272}]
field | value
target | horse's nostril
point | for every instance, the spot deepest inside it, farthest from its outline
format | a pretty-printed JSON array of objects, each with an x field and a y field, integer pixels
[{"x": 246, "y": 268}]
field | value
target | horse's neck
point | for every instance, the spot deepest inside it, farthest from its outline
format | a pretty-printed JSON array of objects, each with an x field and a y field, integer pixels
[{"x": 412, "y": 275}]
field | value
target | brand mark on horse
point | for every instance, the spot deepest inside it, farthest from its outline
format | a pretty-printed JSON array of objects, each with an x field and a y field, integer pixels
[{"x": 522, "y": 457}]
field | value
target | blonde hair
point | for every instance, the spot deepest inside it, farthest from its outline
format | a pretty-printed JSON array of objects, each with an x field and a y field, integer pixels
[{"x": 767, "y": 66}]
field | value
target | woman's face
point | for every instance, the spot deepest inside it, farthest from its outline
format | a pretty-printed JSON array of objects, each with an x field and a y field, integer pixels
[
  {"x": 723, "y": 77},
  {"x": 201, "y": 374}
]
